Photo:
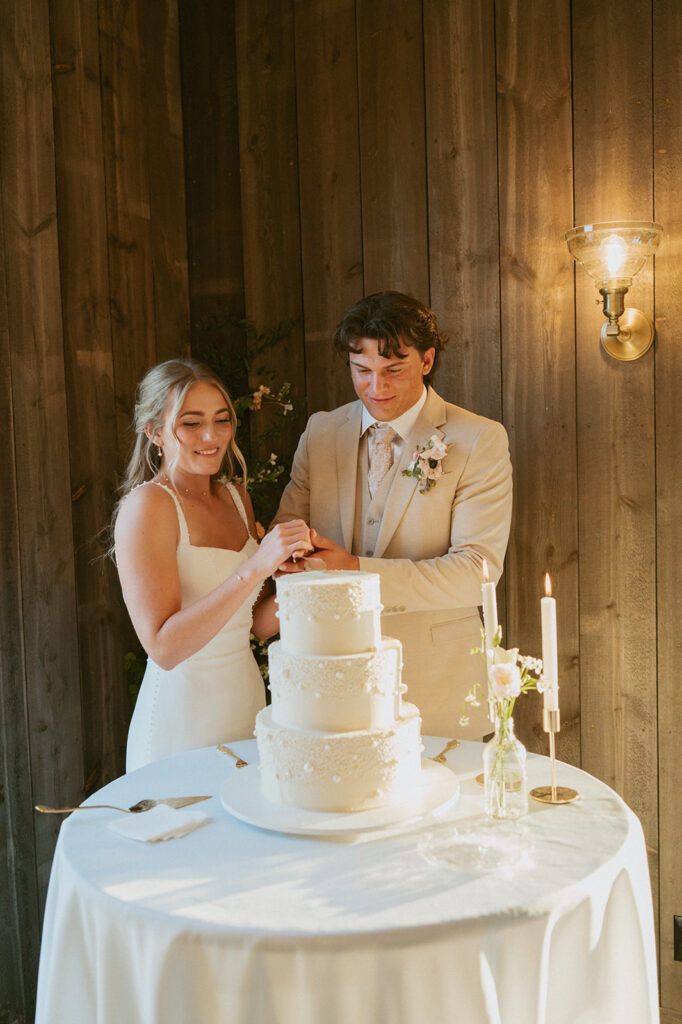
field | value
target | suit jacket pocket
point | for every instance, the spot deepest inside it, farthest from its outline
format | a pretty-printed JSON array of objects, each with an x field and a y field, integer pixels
[{"x": 466, "y": 626}]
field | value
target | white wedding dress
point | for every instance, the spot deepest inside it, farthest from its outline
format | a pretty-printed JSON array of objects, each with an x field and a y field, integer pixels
[{"x": 215, "y": 694}]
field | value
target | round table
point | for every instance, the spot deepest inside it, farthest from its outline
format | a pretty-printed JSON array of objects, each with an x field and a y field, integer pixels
[{"x": 241, "y": 925}]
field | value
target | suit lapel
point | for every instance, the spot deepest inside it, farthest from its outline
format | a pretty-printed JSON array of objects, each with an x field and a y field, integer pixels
[
  {"x": 431, "y": 419},
  {"x": 347, "y": 443}
]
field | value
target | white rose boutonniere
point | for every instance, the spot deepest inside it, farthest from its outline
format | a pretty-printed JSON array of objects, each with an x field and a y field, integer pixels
[{"x": 426, "y": 463}]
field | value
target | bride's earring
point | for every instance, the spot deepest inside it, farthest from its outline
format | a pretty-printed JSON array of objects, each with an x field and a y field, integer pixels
[{"x": 160, "y": 451}]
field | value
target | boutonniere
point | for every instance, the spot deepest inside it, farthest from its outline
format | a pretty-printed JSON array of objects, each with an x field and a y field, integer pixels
[{"x": 426, "y": 463}]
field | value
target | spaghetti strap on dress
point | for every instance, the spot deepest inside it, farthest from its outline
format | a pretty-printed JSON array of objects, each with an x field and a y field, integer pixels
[{"x": 214, "y": 695}]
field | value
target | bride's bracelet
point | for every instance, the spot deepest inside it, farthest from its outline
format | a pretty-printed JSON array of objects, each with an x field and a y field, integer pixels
[{"x": 245, "y": 578}]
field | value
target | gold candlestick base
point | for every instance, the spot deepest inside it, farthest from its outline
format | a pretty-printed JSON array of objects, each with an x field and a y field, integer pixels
[
  {"x": 553, "y": 794},
  {"x": 559, "y": 795}
]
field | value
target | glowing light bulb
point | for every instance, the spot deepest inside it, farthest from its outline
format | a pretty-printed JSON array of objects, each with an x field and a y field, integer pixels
[{"x": 615, "y": 252}]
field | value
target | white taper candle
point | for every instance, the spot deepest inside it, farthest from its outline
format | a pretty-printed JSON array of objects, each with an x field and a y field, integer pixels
[
  {"x": 550, "y": 668},
  {"x": 489, "y": 608}
]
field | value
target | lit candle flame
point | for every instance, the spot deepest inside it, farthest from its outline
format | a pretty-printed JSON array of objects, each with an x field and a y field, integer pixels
[
  {"x": 486, "y": 575},
  {"x": 548, "y": 585}
]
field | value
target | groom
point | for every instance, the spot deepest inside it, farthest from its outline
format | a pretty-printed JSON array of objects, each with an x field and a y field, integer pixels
[{"x": 425, "y": 534}]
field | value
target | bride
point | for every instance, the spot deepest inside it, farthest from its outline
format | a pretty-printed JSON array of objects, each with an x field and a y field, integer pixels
[{"x": 190, "y": 567}]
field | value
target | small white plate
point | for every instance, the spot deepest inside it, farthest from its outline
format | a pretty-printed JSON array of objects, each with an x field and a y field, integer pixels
[{"x": 241, "y": 796}]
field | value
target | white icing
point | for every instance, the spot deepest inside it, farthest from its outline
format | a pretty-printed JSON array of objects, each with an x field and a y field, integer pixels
[
  {"x": 337, "y": 736},
  {"x": 329, "y": 612},
  {"x": 352, "y": 691},
  {"x": 373, "y": 768}
]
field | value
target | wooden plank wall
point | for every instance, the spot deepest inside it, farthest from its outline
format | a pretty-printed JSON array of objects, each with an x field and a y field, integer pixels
[
  {"x": 335, "y": 147},
  {"x": 93, "y": 291},
  {"x": 667, "y": 453}
]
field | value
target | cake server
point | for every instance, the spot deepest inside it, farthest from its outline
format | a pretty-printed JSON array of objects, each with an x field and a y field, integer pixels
[{"x": 141, "y": 805}]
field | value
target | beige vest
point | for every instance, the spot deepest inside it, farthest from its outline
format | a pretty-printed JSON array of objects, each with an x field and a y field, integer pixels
[{"x": 368, "y": 510}]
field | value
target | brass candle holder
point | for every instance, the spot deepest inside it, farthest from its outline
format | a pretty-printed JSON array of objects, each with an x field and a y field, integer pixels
[{"x": 553, "y": 794}]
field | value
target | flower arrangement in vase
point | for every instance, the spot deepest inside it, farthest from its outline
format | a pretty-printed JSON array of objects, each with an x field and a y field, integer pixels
[{"x": 508, "y": 674}]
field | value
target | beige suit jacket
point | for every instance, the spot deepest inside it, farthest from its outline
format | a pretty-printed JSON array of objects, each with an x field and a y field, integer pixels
[{"x": 430, "y": 547}]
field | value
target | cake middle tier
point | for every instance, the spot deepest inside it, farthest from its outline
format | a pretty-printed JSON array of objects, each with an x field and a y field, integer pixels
[
  {"x": 348, "y": 771},
  {"x": 336, "y": 693}
]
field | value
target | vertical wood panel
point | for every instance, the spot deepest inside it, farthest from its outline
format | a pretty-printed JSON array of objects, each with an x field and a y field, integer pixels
[
  {"x": 270, "y": 199},
  {"x": 534, "y": 131},
  {"x": 392, "y": 146},
  {"x": 331, "y": 215},
  {"x": 616, "y": 455},
  {"x": 211, "y": 135},
  {"x": 459, "y": 58},
  {"x": 131, "y": 283},
  {"x": 19, "y": 900},
  {"x": 158, "y": 28},
  {"x": 81, "y": 211},
  {"x": 667, "y": 45},
  {"x": 43, "y": 684}
]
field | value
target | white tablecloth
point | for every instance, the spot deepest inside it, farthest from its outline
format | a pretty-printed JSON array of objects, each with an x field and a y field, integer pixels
[{"x": 236, "y": 924}]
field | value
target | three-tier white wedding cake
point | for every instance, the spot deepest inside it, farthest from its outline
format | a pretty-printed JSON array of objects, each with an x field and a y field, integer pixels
[{"x": 338, "y": 735}]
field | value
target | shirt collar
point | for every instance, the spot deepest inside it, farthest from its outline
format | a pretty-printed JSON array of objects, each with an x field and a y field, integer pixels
[{"x": 401, "y": 424}]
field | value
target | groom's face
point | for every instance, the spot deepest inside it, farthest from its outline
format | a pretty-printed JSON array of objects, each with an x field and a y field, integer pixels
[{"x": 388, "y": 386}]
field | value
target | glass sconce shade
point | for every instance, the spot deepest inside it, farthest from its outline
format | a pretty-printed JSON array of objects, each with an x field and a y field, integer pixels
[
  {"x": 614, "y": 250},
  {"x": 612, "y": 253}
]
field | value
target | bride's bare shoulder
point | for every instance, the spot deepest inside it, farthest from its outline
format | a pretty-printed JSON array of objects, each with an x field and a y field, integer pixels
[{"x": 147, "y": 501}]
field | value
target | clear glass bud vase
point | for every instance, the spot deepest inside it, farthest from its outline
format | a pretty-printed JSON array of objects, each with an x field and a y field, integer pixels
[{"x": 504, "y": 770}]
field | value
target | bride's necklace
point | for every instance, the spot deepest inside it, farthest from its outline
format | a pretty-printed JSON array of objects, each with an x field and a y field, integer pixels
[{"x": 201, "y": 494}]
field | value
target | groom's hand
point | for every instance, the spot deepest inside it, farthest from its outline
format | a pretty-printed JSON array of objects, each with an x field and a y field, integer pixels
[{"x": 333, "y": 555}]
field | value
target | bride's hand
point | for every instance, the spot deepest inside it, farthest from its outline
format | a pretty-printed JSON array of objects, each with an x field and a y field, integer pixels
[{"x": 284, "y": 542}]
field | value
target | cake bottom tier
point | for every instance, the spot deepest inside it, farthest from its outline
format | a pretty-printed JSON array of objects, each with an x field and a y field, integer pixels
[{"x": 350, "y": 771}]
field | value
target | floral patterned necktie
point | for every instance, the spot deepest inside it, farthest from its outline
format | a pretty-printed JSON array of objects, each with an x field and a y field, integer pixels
[{"x": 381, "y": 458}]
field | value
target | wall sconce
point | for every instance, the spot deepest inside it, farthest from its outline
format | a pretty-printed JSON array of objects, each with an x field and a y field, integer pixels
[{"x": 612, "y": 253}]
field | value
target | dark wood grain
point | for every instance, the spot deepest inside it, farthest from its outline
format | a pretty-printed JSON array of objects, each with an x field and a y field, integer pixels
[
  {"x": 19, "y": 897},
  {"x": 537, "y": 335},
  {"x": 158, "y": 33},
  {"x": 615, "y": 402},
  {"x": 331, "y": 212},
  {"x": 461, "y": 150},
  {"x": 270, "y": 199},
  {"x": 212, "y": 177},
  {"x": 90, "y": 387},
  {"x": 42, "y": 684},
  {"x": 667, "y": 155},
  {"x": 392, "y": 146},
  {"x": 128, "y": 200}
]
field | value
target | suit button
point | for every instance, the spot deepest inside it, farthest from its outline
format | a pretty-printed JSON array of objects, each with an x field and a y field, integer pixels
[
  {"x": 368, "y": 554},
  {"x": 371, "y": 521}
]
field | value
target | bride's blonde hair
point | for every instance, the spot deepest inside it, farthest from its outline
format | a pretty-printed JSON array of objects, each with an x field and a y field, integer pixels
[{"x": 160, "y": 393}]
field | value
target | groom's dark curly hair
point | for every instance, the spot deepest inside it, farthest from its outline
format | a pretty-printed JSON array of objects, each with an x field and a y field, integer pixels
[{"x": 394, "y": 320}]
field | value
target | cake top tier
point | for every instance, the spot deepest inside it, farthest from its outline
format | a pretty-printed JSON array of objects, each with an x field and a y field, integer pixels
[{"x": 335, "y": 612}]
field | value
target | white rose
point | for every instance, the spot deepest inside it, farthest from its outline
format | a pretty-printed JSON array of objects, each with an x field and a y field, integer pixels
[
  {"x": 505, "y": 680},
  {"x": 438, "y": 449}
]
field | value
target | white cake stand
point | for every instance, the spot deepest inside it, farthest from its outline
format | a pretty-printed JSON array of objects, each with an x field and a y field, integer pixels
[{"x": 241, "y": 796}]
